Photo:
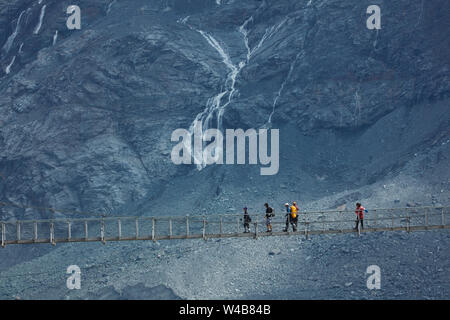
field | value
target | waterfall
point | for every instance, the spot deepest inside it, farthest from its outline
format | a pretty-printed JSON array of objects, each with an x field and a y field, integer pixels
[
  {"x": 13, "y": 36},
  {"x": 55, "y": 37},
  {"x": 110, "y": 6},
  {"x": 283, "y": 84},
  {"x": 268, "y": 33},
  {"x": 41, "y": 17},
  {"x": 216, "y": 105},
  {"x": 8, "y": 68},
  {"x": 244, "y": 31}
]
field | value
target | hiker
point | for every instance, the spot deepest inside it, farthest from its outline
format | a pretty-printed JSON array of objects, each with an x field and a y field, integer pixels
[
  {"x": 359, "y": 215},
  {"x": 294, "y": 216},
  {"x": 288, "y": 216},
  {"x": 247, "y": 221},
  {"x": 268, "y": 216}
]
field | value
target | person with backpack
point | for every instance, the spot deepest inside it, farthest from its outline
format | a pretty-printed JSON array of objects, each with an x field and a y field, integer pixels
[
  {"x": 247, "y": 221},
  {"x": 294, "y": 216},
  {"x": 359, "y": 215},
  {"x": 269, "y": 215},
  {"x": 288, "y": 216}
]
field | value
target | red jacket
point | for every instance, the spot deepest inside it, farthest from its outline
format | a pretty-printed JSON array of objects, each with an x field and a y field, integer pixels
[{"x": 360, "y": 212}]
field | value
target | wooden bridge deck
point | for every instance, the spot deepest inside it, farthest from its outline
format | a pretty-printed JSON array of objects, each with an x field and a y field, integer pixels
[{"x": 106, "y": 229}]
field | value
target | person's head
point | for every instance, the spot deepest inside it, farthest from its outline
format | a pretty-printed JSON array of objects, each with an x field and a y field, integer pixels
[
  {"x": 245, "y": 209},
  {"x": 286, "y": 204},
  {"x": 294, "y": 203},
  {"x": 358, "y": 204},
  {"x": 266, "y": 205}
]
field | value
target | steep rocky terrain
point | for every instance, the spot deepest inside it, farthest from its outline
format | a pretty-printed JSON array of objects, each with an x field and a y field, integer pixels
[
  {"x": 87, "y": 115},
  {"x": 413, "y": 266}
]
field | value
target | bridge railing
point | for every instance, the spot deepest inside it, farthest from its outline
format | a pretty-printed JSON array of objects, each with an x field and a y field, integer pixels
[{"x": 227, "y": 225}]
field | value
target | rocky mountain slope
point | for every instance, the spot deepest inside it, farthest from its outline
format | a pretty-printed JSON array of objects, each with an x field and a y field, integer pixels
[{"x": 86, "y": 121}]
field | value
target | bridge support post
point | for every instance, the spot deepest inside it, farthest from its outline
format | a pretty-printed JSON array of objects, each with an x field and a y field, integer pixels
[
  {"x": 69, "y": 230},
  {"x": 119, "y": 227},
  {"x": 18, "y": 230},
  {"x": 102, "y": 232},
  {"x": 3, "y": 235},
  {"x": 306, "y": 230},
  {"x": 35, "y": 231},
  {"x": 35, "y": 235},
  {"x": 52, "y": 234},
  {"x": 137, "y": 228},
  {"x": 86, "y": 234},
  {"x": 153, "y": 230},
  {"x": 204, "y": 229},
  {"x": 375, "y": 214}
]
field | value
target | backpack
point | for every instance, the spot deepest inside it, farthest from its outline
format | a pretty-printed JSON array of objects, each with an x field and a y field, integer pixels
[{"x": 294, "y": 212}]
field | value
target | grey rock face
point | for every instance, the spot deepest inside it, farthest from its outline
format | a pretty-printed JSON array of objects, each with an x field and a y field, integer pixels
[
  {"x": 136, "y": 292},
  {"x": 86, "y": 123}
]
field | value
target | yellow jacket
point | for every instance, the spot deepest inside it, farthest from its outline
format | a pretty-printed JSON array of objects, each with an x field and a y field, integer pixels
[{"x": 293, "y": 212}]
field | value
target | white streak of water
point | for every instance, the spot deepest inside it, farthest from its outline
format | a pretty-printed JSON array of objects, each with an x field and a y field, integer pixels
[
  {"x": 55, "y": 37},
  {"x": 41, "y": 18},
  {"x": 216, "y": 105},
  {"x": 13, "y": 36},
  {"x": 8, "y": 67},
  {"x": 280, "y": 91},
  {"x": 110, "y": 6}
]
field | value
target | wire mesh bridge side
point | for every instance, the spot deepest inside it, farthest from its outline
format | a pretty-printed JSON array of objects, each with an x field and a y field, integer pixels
[{"x": 108, "y": 229}]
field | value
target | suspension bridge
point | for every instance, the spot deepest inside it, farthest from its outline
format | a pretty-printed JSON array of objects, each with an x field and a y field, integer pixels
[{"x": 142, "y": 228}]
